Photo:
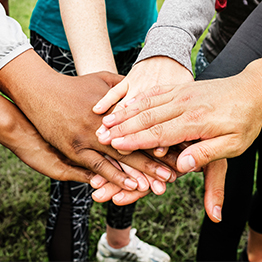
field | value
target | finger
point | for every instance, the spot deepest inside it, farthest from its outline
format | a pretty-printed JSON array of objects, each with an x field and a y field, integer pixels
[
  {"x": 100, "y": 165},
  {"x": 156, "y": 186},
  {"x": 160, "y": 135},
  {"x": 160, "y": 151},
  {"x": 204, "y": 152},
  {"x": 143, "y": 184},
  {"x": 110, "y": 78},
  {"x": 215, "y": 174},
  {"x": 135, "y": 109},
  {"x": 154, "y": 91},
  {"x": 125, "y": 198},
  {"x": 124, "y": 152},
  {"x": 98, "y": 181},
  {"x": 112, "y": 97},
  {"x": 106, "y": 192},
  {"x": 142, "y": 163},
  {"x": 148, "y": 165},
  {"x": 151, "y": 122},
  {"x": 64, "y": 172},
  {"x": 169, "y": 160}
]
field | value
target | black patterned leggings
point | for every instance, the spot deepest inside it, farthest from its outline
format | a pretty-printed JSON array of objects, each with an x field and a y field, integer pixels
[{"x": 70, "y": 202}]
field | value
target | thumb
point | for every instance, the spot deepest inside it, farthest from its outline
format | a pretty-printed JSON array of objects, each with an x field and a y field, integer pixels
[
  {"x": 201, "y": 153},
  {"x": 113, "y": 96},
  {"x": 110, "y": 78},
  {"x": 215, "y": 174}
]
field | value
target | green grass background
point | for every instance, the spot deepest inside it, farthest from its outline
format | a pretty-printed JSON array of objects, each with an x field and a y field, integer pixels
[{"x": 171, "y": 221}]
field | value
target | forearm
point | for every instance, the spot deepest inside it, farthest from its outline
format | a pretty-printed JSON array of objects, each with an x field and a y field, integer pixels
[
  {"x": 26, "y": 80},
  {"x": 179, "y": 25},
  {"x": 86, "y": 30},
  {"x": 13, "y": 41}
]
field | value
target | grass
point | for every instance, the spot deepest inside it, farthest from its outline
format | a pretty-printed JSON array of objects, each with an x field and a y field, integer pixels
[{"x": 171, "y": 221}]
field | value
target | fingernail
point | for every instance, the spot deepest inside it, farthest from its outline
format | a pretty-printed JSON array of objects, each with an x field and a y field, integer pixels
[
  {"x": 172, "y": 179},
  {"x": 102, "y": 129},
  {"x": 99, "y": 193},
  {"x": 97, "y": 106},
  {"x": 108, "y": 119},
  {"x": 118, "y": 197},
  {"x": 142, "y": 185},
  {"x": 130, "y": 183},
  {"x": 117, "y": 141},
  {"x": 131, "y": 101},
  {"x": 104, "y": 135},
  {"x": 160, "y": 149},
  {"x": 164, "y": 173},
  {"x": 96, "y": 181},
  {"x": 188, "y": 163},
  {"x": 217, "y": 213},
  {"x": 158, "y": 187}
]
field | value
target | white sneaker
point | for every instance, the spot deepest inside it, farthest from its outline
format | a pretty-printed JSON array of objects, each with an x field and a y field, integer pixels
[{"x": 136, "y": 250}]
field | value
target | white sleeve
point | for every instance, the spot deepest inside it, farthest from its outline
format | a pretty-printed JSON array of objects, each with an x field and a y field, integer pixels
[{"x": 13, "y": 41}]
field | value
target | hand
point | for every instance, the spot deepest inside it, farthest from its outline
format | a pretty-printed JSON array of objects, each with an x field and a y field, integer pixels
[
  {"x": 214, "y": 176},
  {"x": 224, "y": 114},
  {"x": 143, "y": 76},
  {"x": 19, "y": 135},
  {"x": 60, "y": 108}
]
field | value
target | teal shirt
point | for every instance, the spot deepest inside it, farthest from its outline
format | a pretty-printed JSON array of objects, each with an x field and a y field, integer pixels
[{"x": 128, "y": 22}]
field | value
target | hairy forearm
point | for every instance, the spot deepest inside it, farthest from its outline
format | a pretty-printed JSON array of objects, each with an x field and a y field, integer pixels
[{"x": 86, "y": 30}]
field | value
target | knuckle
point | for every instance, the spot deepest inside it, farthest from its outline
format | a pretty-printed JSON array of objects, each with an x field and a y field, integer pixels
[
  {"x": 194, "y": 116},
  {"x": 98, "y": 165},
  {"x": 146, "y": 103},
  {"x": 157, "y": 133},
  {"x": 155, "y": 90},
  {"x": 146, "y": 119},
  {"x": 205, "y": 153},
  {"x": 218, "y": 193},
  {"x": 120, "y": 129}
]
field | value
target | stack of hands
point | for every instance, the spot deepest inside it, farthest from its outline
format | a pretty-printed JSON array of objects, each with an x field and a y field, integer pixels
[{"x": 167, "y": 130}]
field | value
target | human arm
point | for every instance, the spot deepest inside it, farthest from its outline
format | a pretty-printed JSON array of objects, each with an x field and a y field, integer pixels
[
  {"x": 224, "y": 113},
  {"x": 20, "y": 136},
  {"x": 214, "y": 178},
  {"x": 60, "y": 109},
  {"x": 86, "y": 30},
  {"x": 165, "y": 58}
]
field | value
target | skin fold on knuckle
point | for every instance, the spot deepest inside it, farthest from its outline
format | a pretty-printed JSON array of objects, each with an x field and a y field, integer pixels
[
  {"x": 218, "y": 195},
  {"x": 157, "y": 134},
  {"x": 204, "y": 153},
  {"x": 145, "y": 119}
]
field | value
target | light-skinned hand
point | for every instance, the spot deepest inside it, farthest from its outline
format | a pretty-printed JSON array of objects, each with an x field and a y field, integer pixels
[
  {"x": 223, "y": 114},
  {"x": 144, "y": 75}
]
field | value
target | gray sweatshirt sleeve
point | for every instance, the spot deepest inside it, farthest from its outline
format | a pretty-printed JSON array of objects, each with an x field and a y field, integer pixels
[
  {"x": 178, "y": 27},
  {"x": 13, "y": 41}
]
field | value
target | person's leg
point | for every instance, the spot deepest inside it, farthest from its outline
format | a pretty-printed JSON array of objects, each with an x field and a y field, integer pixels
[
  {"x": 61, "y": 250},
  {"x": 120, "y": 243},
  {"x": 243, "y": 48},
  {"x": 67, "y": 227},
  {"x": 119, "y": 218},
  {"x": 82, "y": 202}
]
